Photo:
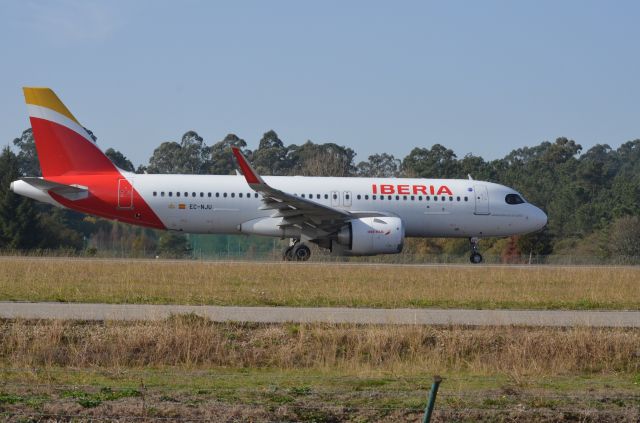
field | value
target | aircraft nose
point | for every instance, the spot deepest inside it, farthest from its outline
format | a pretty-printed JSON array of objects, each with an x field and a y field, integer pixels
[{"x": 538, "y": 218}]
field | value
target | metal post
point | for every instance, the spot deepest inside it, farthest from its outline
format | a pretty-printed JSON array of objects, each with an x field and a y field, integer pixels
[{"x": 432, "y": 399}]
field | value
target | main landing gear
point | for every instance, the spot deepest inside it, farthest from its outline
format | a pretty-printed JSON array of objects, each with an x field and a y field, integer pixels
[
  {"x": 296, "y": 252},
  {"x": 475, "y": 257}
]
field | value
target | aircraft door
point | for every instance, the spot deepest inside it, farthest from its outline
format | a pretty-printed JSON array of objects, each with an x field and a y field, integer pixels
[
  {"x": 335, "y": 198},
  {"x": 346, "y": 198},
  {"x": 125, "y": 194},
  {"x": 481, "y": 194}
]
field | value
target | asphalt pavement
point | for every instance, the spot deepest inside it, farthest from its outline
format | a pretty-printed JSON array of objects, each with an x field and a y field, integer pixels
[{"x": 148, "y": 312}]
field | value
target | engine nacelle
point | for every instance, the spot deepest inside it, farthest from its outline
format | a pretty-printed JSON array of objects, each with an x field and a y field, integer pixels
[{"x": 369, "y": 236}]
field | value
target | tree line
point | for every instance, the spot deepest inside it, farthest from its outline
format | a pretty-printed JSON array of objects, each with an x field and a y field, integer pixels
[{"x": 592, "y": 197}]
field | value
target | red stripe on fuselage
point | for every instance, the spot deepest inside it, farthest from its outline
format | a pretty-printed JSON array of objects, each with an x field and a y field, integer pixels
[
  {"x": 103, "y": 200},
  {"x": 68, "y": 158}
]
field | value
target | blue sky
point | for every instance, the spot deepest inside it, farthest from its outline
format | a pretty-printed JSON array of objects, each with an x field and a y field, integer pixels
[{"x": 478, "y": 77}]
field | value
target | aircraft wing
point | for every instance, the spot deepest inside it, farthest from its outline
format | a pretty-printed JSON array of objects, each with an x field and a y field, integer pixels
[
  {"x": 295, "y": 211},
  {"x": 70, "y": 192}
]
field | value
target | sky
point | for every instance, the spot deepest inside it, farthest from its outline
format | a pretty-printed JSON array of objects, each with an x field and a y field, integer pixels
[{"x": 376, "y": 76}]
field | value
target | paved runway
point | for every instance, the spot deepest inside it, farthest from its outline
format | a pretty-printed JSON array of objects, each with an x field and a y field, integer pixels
[{"x": 80, "y": 311}]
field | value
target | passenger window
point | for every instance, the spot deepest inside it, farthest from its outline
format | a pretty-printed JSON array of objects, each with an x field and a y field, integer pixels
[
  {"x": 420, "y": 198},
  {"x": 413, "y": 198},
  {"x": 434, "y": 198},
  {"x": 161, "y": 193},
  {"x": 358, "y": 197},
  {"x": 458, "y": 198},
  {"x": 513, "y": 199},
  {"x": 155, "y": 193},
  {"x": 346, "y": 197},
  {"x": 450, "y": 198},
  {"x": 444, "y": 198},
  {"x": 177, "y": 194},
  {"x": 240, "y": 195},
  {"x": 466, "y": 198},
  {"x": 318, "y": 196},
  {"x": 366, "y": 196},
  {"x": 310, "y": 196},
  {"x": 404, "y": 197},
  {"x": 373, "y": 197},
  {"x": 209, "y": 194},
  {"x": 186, "y": 194},
  {"x": 256, "y": 195},
  {"x": 335, "y": 196},
  {"x": 302, "y": 195},
  {"x": 233, "y": 195},
  {"x": 217, "y": 194},
  {"x": 326, "y": 196},
  {"x": 224, "y": 195},
  {"x": 202, "y": 194},
  {"x": 382, "y": 197},
  {"x": 248, "y": 195},
  {"x": 389, "y": 197},
  {"x": 397, "y": 197},
  {"x": 170, "y": 194},
  {"x": 193, "y": 194}
]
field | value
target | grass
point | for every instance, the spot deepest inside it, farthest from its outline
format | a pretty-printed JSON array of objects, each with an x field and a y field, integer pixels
[
  {"x": 319, "y": 285},
  {"x": 188, "y": 368},
  {"x": 199, "y": 343}
]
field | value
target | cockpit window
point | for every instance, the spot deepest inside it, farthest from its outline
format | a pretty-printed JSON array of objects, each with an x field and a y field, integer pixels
[{"x": 513, "y": 199}]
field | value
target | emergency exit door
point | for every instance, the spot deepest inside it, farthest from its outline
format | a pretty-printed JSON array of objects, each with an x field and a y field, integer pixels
[
  {"x": 125, "y": 194},
  {"x": 481, "y": 195}
]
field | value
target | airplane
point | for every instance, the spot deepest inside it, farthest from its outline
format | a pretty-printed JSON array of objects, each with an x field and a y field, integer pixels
[{"x": 348, "y": 216}]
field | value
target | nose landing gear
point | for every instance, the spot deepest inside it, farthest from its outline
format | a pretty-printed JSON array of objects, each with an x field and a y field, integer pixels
[
  {"x": 475, "y": 257},
  {"x": 296, "y": 252}
]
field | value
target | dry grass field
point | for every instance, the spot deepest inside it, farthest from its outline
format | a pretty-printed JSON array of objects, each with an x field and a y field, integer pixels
[
  {"x": 190, "y": 368},
  {"x": 188, "y": 282}
]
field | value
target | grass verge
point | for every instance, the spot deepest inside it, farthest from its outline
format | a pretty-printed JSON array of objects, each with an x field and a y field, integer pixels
[
  {"x": 193, "y": 369},
  {"x": 319, "y": 285}
]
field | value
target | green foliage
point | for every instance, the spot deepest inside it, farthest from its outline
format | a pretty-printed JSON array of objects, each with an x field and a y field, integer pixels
[
  {"x": 18, "y": 218},
  {"x": 173, "y": 245},
  {"x": 221, "y": 157},
  {"x": 27, "y": 154},
  {"x": 380, "y": 165},
  {"x": 271, "y": 157},
  {"x": 624, "y": 238},
  {"x": 119, "y": 160},
  {"x": 328, "y": 159}
]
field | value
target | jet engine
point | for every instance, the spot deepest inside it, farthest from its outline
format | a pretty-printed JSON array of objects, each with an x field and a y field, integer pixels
[{"x": 369, "y": 236}]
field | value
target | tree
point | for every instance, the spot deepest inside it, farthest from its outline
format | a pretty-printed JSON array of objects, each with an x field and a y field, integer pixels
[
  {"x": 380, "y": 165},
  {"x": 188, "y": 157},
  {"x": 18, "y": 218},
  {"x": 173, "y": 245},
  {"x": 624, "y": 238},
  {"x": 327, "y": 159},
  {"x": 221, "y": 160},
  {"x": 119, "y": 160},
  {"x": 27, "y": 154},
  {"x": 436, "y": 162},
  {"x": 193, "y": 153},
  {"x": 271, "y": 156}
]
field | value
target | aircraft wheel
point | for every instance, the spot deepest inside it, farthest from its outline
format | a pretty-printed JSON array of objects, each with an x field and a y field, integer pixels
[
  {"x": 287, "y": 254},
  {"x": 476, "y": 258},
  {"x": 301, "y": 252}
]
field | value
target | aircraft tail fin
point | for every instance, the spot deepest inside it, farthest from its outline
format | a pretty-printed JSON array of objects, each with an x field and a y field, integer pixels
[{"x": 63, "y": 145}]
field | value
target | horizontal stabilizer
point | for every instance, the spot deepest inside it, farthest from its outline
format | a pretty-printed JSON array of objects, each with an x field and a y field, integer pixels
[{"x": 70, "y": 192}]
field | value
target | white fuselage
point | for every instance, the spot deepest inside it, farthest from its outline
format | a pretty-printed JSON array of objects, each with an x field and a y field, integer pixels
[{"x": 221, "y": 204}]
